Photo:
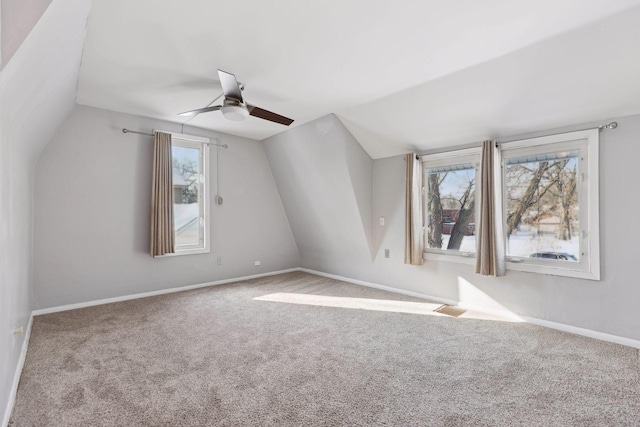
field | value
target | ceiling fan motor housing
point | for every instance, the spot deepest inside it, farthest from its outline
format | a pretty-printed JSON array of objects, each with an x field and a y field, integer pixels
[{"x": 234, "y": 110}]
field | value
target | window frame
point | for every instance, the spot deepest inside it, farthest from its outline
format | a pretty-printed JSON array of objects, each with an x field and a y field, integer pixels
[
  {"x": 202, "y": 144},
  {"x": 587, "y": 144},
  {"x": 465, "y": 155}
]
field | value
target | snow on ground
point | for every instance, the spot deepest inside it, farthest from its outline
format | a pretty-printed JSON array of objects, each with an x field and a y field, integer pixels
[
  {"x": 468, "y": 243},
  {"x": 186, "y": 223},
  {"x": 525, "y": 243}
]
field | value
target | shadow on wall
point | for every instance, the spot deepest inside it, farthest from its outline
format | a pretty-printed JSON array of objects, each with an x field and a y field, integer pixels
[
  {"x": 389, "y": 203},
  {"x": 360, "y": 168},
  {"x": 143, "y": 171}
]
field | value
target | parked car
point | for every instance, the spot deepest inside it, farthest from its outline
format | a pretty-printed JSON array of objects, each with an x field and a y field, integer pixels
[{"x": 563, "y": 256}]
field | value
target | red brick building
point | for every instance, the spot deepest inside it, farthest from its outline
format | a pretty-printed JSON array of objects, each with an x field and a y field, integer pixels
[{"x": 449, "y": 219}]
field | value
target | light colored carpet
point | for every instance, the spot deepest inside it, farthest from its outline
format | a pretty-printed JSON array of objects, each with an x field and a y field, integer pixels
[{"x": 237, "y": 355}]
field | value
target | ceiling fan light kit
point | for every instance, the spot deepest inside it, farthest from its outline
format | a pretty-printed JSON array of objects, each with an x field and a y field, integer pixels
[
  {"x": 234, "y": 108},
  {"x": 237, "y": 113}
]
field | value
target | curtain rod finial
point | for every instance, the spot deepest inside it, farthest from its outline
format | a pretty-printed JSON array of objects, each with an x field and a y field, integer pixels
[{"x": 611, "y": 125}]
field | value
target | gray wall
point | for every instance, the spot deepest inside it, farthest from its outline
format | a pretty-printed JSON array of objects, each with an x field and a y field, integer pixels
[
  {"x": 37, "y": 91},
  {"x": 324, "y": 177},
  {"x": 92, "y": 198},
  {"x": 609, "y": 305}
]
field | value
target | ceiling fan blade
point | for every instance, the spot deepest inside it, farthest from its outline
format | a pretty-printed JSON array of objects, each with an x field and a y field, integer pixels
[
  {"x": 268, "y": 115},
  {"x": 230, "y": 85},
  {"x": 201, "y": 110}
]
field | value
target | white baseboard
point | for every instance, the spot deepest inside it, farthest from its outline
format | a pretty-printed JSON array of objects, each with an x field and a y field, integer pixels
[
  {"x": 17, "y": 374},
  {"x": 584, "y": 332},
  {"x": 548, "y": 324},
  {"x": 381, "y": 287},
  {"x": 154, "y": 293}
]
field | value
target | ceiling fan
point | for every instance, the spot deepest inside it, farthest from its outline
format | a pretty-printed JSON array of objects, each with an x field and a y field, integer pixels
[{"x": 234, "y": 107}]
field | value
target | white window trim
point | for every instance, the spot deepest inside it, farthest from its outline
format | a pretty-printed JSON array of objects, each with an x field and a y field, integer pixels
[
  {"x": 201, "y": 143},
  {"x": 467, "y": 155},
  {"x": 589, "y": 267}
]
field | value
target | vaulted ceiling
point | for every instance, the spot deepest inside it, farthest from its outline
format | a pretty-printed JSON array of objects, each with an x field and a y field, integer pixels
[{"x": 402, "y": 75}]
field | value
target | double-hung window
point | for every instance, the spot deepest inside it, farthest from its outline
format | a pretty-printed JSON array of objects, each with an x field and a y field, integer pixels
[
  {"x": 451, "y": 198},
  {"x": 190, "y": 157},
  {"x": 550, "y": 204}
]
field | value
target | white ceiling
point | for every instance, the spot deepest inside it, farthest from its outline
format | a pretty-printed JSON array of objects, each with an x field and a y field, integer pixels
[{"x": 401, "y": 75}]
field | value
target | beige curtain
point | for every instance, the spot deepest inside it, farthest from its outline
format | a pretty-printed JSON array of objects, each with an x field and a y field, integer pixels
[
  {"x": 414, "y": 233},
  {"x": 490, "y": 259},
  {"x": 162, "y": 228}
]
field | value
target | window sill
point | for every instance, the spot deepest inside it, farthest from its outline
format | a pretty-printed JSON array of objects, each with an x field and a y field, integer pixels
[
  {"x": 460, "y": 259},
  {"x": 186, "y": 252},
  {"x": 553, "y": 271},
  {"x": 517, "y": 266}
]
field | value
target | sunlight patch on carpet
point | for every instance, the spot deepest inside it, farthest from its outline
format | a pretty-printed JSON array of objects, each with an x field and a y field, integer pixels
[
  {"x": 355, "y": 303},
  {"x": 410, "y": 307}
]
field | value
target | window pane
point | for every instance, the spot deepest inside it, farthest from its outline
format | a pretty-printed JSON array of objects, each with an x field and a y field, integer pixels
[
  {"x": 451, "y": 207},
  {"x": 542, "y": 205},
  {"x": 186, "y": 200}
]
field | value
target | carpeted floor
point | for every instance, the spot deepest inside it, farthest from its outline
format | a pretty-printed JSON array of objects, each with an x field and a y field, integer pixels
[{"x": 328, "y": 355}]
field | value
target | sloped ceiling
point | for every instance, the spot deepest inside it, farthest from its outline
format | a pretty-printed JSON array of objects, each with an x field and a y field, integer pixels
[
  {"x": 17, "y": 19},
  {"x": 400, "y": 75},
  {"x": 585, "y": 75},
  {"x": 38, "y": 85}
]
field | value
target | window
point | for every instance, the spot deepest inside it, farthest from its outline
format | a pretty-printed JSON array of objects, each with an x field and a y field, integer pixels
[
  {"x": 550, "y": 204},
  {"x": 450, "y": 208},
  {"x": 548, "y": 188},
  {"x": 190, "y": 180}
]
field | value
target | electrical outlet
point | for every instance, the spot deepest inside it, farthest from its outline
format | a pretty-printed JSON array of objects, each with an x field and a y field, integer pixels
[
  {"x": 219, "y": 260},
  {"x": 386, "y": 253},
  {"x": 257, "y": 263},
  {"x": 381, "y": 221}
]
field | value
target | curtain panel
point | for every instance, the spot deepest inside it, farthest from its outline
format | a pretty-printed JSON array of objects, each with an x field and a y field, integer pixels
[
  {"x": 162, "y": 227},
  {"x": 414, "y": 230},
  {"x": 491, "y": 256}
]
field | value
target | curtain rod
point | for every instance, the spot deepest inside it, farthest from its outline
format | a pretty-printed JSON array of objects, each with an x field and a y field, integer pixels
[
  {"x": 125, "y": 130},
  {"x": 600, "y": 128}
]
